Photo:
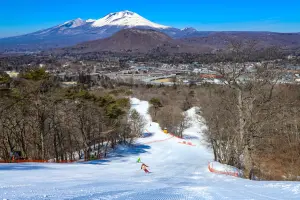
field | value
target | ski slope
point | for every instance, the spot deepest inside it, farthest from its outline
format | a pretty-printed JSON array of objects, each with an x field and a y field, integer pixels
[{"x": 179, "y": 172}]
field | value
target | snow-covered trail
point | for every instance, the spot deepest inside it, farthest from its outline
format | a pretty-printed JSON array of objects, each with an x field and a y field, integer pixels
[{"x": 178, "y": 171}]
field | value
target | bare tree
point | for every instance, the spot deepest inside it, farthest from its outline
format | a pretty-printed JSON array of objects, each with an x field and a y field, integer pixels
[
  {"x": 137, "y": 123},
  {"x": 250, "y": 89}
]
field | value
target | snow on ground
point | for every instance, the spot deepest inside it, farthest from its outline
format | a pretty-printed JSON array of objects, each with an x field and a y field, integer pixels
[
  {"x": 178, "y": 172},
  {"x": 196, "y": 126}
]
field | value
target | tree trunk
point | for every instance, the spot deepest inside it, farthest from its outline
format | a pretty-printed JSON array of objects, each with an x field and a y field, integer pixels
[
  {"x": 23, "y": 142},
  {"x": 214, "y": 150},
  {"x": 247, "y": 163},
  {"x": 60, "y": 143},
  {"x": 247, "y": 160},
  {"x": 105, "y": 150},
  {"x": 42, "y": 144},
  {"x": 55, "y": 148},
  {"x": 241, "y": 116},
  {"x": 71, "y": 147},
  {"x": 87, "y": 152}
]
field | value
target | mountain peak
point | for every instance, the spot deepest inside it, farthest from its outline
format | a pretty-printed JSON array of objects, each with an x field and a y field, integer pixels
[
  {"x": 73, "y": 23},
  {"x": 190, "y": 29},
  {"x": 128, "y": 40},
  {"x": 125, "y": 18},
  {"x": 127, "y": 12},
  {"x": 90, "y": 20}
]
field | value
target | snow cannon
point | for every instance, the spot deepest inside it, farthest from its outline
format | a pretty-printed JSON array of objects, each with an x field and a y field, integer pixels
[{"x": 165, "y": 130}]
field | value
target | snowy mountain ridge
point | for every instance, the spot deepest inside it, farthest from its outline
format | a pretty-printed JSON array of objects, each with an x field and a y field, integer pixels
[
  {"x": 125, "y": 18},
  {"x": 74, "y": 23},
  {"x": 79, "y": 30}
]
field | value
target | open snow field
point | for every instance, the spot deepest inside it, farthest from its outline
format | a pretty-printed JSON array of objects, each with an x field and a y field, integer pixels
[{"x": 179, "y": 171}]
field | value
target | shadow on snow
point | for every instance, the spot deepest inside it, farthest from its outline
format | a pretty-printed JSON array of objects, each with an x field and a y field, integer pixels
[
  {"x": 147, "y": 134},
  {"x": 96, "y": 162},
  {"x": 121, "y": 153},
  {"x": 125, "y": 151},
  {"x": 190, "y": 137},
  {"x": 21, "y": 167}
]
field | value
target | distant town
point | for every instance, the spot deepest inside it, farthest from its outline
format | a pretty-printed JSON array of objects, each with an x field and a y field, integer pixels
[{"x": 68, "y": 72}]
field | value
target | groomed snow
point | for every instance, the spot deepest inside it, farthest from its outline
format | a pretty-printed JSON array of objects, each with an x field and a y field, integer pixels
[
  {"x": 125, "y": 18},
  {"x": 179, "y": 172}
]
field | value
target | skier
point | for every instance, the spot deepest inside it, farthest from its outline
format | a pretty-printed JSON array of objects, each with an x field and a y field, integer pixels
[
  {"x": 144, "y": 167},
  {"x": 138, "y": 160}
]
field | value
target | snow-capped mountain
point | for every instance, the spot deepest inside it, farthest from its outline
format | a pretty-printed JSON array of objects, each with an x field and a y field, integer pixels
[
  {"x": 90, "y": 20},
  {"x": 74, "y": 23},
  {"x": 126, "y": 18},
  {"x": 62, "y": 27},
  {"x": 189, "y": 29},
  {"x": 79, "y": 30}
]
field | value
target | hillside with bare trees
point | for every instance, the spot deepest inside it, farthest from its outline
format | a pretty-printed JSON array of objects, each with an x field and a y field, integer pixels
[
  {"x": 251, "y": 118},
  {"x": 43, "y": 121}
]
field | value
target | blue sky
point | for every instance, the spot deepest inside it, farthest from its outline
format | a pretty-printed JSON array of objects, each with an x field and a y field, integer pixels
[{"x": 24, "y": 16}]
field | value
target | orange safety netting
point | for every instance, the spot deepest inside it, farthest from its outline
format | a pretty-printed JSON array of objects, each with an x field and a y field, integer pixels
[
  {"x": 154, "y": 141},
  {"x": 35, "y": 161},
  {"x": 211, "y": 169},
  {"x": 187, "y": 143}
]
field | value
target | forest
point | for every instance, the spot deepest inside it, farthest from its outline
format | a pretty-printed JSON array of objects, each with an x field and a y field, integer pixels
[{"x": 44, "y": 121}]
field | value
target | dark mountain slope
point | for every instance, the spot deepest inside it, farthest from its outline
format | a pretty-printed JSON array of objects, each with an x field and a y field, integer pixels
[{"x": 136, "y": 41}]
